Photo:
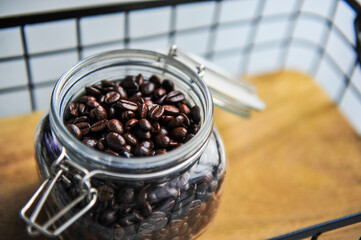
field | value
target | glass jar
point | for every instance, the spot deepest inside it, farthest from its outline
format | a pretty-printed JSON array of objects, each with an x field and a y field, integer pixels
[{"x": 100, "y": 196}]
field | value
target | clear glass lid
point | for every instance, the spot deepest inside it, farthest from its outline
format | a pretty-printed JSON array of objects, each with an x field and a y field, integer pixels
[{"x": 229, "y": 92}]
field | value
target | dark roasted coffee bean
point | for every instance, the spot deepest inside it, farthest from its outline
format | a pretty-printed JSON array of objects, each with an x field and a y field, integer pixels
[
  {"x": 145, "y": 124},
  {"x": 186, "y": 120},
  {"x": 139, "y": 79},
  {"x": 163, "y": 131},
  {"x": 130, "y": 139},
  {"x": 108, "y": 217},
  {"x": 156, "y": 127},
  {"x": 147, "y": 143},
  {"x": 74, "y": 130},
  {"x": 115, "y": 125},
  {"x": 170, "y": 110},
  {"x": 100, "y": 113},
  {"x": 161, "y": 193},
  {"x": 148, "y": 102},
  {"x": 166, "y": 205},
  {"x": 147, "y": 88},
  {"x": 81, "y": 119},
  {"x": 115, "y": 141},
  {"x": 93, "y": 104},
  {"x": 159, "y": 92},
  {"x": 111, "y": 112},
  {"x": 142, "y": 110},
  {"x": 166, "y": 118},
  {"x": 196, "y": 114},
  {"x": 125, "y": 195},
  {"x": 84, "y": 127},
  {"x": 127, "y": 154},
  {"x": 147, "y": 209},
  {"x": 112, "y": 97},
  {"x": 195, "y": 128},
  {"x": 101, "y": 144},
  {"x": 105, "y": 193},
  {"x": 107, "y": 89},
  {"x": 162, "y": 141},
  {"x": 101, "y": 100},
  {"x": 92, "y": 91},
  {"x": 176, "y": 122},
  {"x": 107, "y": 83},
  {"x": 127, "y": 148},
  {"x": 142, "y": 134},
  {"x": 127, "y": 105},
  {"x": 73, "y": 109},
  {"x": 130, "y": 124},
  {"x": 129, "y": 84},
  {"x": 90, "y": 142},
  {"x": 161, "y": 151},
  {"x": 85, "y": 99},
  {"x": 121, "y": 91},
  {"x": 173, "y": 144},
  {"x": 82, "y": 108},
  {"x": 155, "y": 112},
  {"x": 111, "y": 152},
  {"x": 168, "y": 85},
  {"x": 188, "y": 137},
  {"x": 142, "y": 151},
  {"x": 160, "y": 100},
  {"x": 183, "y": 108},
  {"x": 174, "y": 97},
  {"x": 126, "y": 115},
  {"x": 155, "y": 79},
  {"x": 136, "y": 97},
  {"x": 99, "y": 126}
]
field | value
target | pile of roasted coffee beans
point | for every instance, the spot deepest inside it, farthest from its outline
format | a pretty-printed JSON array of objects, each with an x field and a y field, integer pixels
[{"x": 133, "y": 117}]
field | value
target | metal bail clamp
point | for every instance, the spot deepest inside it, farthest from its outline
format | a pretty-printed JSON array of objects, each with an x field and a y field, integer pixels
[{"x": 58, "y": 170}]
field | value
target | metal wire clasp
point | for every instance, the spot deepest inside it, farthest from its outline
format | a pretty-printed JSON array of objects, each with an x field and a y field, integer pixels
[{"x": 59, "y": 168}]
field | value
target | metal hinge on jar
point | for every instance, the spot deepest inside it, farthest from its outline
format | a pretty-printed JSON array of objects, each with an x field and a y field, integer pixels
[{"x": 59, "y": 170}]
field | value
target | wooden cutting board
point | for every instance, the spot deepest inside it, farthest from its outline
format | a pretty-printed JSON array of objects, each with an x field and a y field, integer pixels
[{"x": 295, "y": 164}]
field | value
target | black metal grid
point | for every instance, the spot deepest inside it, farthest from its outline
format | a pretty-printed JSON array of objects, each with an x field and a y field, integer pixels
[{"x": 292, "y": 17}]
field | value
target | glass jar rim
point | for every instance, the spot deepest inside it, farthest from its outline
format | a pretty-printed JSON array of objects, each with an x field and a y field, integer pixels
[{"x": 140, "y": 166}]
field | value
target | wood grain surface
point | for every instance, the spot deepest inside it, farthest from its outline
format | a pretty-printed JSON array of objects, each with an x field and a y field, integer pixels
[{"x": 295, "y": 164}]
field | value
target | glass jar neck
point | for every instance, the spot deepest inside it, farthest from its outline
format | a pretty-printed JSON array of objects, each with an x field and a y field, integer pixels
[{"x": 115, "y": 65}]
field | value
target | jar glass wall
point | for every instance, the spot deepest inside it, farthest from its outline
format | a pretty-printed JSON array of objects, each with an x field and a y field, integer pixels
[{"x": 174, "y": 195}]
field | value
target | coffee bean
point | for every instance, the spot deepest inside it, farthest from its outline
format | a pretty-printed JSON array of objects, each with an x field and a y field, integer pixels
[
  {"x": 188, "y": 137},
  {"x": 170, "y": 110},
  {"x": 93, "y": 104},
  {"x": 127, "y": 105},
  {"x": 101, "y": 144},
  {"x": 105, "y": 193},
  {"x": 99, "y": 126},
  {"x": 163, "y": 131},
  {"x": 125, "y": 195},
  {"x": 126, "y": 115},
  {"x": 115, "y": 125},
  {"x": 147, "y": 143},
  {"x": 111, "y": 112},
  {"x": 115, "y": 141},
  {"x": 100, "y": 112},
  {"x": 73, "y": 109},
  {"x": 130, "y": 124},
  {"x": 129, "y": 84},
  {"x": 82, "y": 108},
  {"x": 186, "y": 120},
  {"x": 155, "y": 80},
  {"x": 73, "y": 129},
  {"x": 130, "y": 139},
  {"x": 174, "y": 97},
  {"x": 92, "y": 91},
  {"x": 155, "y": 112},
  {"x": 84, "y": 127},
  {"x": 112, "y": 97},
  {"x": 196, "y": 114},
  {"x": 107, "y": 83},
  {"x": 147, "y": 209},
  {"x": 121, "y": 91},
  {"x": 160, "y": 100},
  {"x": 179, "y": 133},
  {"x": 183, "y": 108},
  {"x": 145, "y": 124},
  {"x": 195, "y": 128},
  {"x": 141, "y": 151},
  {"x": 142, "y": 134},
  {"x": 142, "y": 110},
  {"x": 90, "y": 142},
  {"x": 118, "y": 232},
  {"x": 107, "y": 217},
  {"x": 159, "y": 92},
  {"x": 111, "y": 152},
  {"x": 162, "y": 141},
  {"x": 86, "y": 98},
  {"x": 176, "y": 122},
  {"x": 139, "y": 79},
  {"x": 136, "y": 97},
  {"x": 161, "y": 151},
  {"x": 81, "y": 119},
  {"x": 147, "y": 88},
  {"x": 168, "y": 85}
]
